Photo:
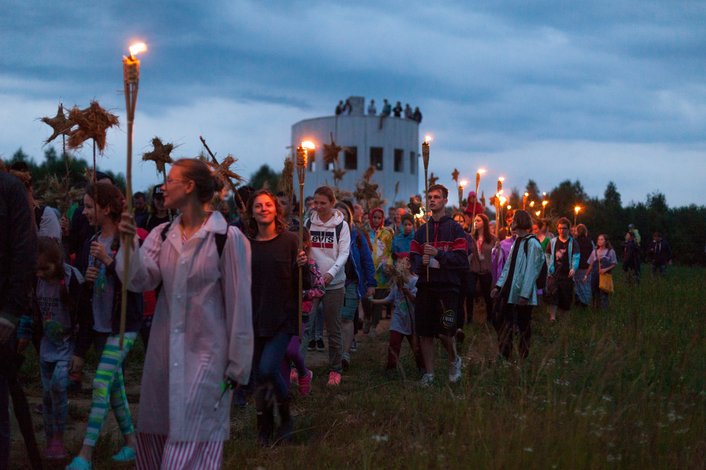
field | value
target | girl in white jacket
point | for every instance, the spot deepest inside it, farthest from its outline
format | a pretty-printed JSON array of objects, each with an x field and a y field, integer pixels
[{"x": 330, "y": 244}]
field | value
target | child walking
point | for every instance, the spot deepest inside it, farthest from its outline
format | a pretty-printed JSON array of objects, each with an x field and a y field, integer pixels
[
  {"x": 402, "y": 295},
  {"x": 100, "y": 323},
  {"x": 57, "y": 289},
  {"x": 300, "y": 375}
]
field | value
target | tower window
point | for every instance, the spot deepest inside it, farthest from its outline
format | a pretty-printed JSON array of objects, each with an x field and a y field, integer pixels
[
  {"x": 413, "y": 163},
  {"x": 399, "y": 160},
  {"x": 350, "y": 158},
  {"x": 376, "y": 157}
]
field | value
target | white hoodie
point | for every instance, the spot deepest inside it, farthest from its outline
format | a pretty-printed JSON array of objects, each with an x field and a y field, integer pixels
[{"x": 330, "y": 252}]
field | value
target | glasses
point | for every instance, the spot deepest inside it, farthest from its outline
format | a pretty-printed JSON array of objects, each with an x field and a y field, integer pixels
[{"x": 170, "y": 181}]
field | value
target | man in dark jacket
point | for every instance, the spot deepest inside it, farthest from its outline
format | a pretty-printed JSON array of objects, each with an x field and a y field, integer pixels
[
  {"x": 439, "y": 255},
  {"x": 18, "y": 252}
]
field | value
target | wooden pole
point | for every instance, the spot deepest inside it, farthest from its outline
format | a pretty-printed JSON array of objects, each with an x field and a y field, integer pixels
[
  {"x": 425, "y": 159},
  {"x": 301, "y": 161},
  {"x": 131, "y": 79}
]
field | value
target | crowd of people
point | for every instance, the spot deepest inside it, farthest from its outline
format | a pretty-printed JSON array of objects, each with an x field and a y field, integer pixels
[
  {"x": 234, "y": 302},
  {"x": 344, "y": 108}
]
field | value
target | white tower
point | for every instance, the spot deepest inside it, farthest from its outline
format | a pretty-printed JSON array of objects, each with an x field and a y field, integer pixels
[{"x": 389, "y": 144}]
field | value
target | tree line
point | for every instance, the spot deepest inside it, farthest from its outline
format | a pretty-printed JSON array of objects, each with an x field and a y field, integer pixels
[{"x": 683, "y": 227}]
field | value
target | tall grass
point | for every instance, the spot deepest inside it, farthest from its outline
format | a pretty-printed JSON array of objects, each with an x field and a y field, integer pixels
[{"x": 623, "y": 387}]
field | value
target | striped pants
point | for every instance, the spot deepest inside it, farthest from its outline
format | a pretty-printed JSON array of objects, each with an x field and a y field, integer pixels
[
  {"x": 156, "y": 452},
  {"x": 109, "y": 389}
]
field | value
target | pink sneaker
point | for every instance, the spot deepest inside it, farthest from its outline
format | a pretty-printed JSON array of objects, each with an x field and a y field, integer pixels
[
  {"x": 334, "y": 379},
  {"x": 305, "y": 383},
  {"x": 293, "y": 376},
  {"x": 55, "y": 450}
]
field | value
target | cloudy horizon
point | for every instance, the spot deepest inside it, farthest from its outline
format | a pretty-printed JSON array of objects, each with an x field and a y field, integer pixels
[{"x": 595, "y": 92}]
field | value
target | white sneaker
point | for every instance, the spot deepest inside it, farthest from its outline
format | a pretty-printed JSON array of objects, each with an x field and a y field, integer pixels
[
  {"x": 455, "y": 370},
  {"x": 427, "y": 380}
]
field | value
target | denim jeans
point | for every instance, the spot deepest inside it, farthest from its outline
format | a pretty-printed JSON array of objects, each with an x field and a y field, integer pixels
[{"x": 268, "y": 356}]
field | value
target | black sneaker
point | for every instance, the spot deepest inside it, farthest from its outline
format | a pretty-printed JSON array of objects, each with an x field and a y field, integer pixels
[
  {"x": 311, "y": 346},
  {"x": 320, "y": 345}
]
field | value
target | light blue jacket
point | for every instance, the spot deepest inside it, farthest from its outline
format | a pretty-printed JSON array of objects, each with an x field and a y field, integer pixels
[
  {"x": 574, "y": 257},
  {"x": 527, "y": 269}
]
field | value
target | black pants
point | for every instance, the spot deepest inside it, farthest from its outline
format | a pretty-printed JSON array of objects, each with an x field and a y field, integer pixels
[
  {"x": 469, "y": 294},
  {"x": 516, "y": 320}
]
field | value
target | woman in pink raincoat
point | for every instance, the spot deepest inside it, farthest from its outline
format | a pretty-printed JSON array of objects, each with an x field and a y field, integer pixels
[{"x": 202, "y": 335}]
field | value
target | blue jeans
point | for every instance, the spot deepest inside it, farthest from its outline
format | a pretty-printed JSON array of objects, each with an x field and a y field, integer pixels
[{"x": 268, "y": 356}]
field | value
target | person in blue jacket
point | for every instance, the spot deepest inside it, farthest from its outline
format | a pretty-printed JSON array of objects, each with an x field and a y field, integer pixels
[
  {"x": 564, "y": 255},
  {"x": 517, "y": 286},
  {"x": 403, "y": 238},
  {"x": 360, "y": 282}
]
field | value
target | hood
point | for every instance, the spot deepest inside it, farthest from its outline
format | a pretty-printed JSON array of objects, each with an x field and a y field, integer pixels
[
  {"x": 332, "y": 222},
  {"x": 370, "y": 218}
]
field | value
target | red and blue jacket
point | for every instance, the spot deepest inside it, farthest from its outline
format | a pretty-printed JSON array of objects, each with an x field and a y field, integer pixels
[{"x": 448, "y": 237}]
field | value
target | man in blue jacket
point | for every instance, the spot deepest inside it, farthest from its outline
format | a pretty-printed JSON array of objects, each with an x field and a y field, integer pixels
[{"x": 439, "y": 255}]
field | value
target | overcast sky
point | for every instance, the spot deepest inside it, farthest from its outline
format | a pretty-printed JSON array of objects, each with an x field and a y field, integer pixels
[{"x": 595, "y": 91}]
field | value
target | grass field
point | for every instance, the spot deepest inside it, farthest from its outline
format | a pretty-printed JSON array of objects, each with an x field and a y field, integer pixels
[{"x": 623, "y": 387}]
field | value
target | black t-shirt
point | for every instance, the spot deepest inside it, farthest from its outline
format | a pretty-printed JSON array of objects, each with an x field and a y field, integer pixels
[
  {"x": 153, "y": 221},
  {"x": 274, "y": 285},
  {"x": 562, "y": 263}
]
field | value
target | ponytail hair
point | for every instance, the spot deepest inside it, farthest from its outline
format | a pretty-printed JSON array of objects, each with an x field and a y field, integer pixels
[{"x": 207, "y": 183}]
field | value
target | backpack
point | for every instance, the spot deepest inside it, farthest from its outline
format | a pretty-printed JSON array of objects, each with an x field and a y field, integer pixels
[
  {"x": 221, "y": 239},
  {"x": 541, "y": 281}
]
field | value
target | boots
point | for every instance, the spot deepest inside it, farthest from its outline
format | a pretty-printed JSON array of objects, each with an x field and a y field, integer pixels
[
  {"x": 286, "y": 425},
  {"x": 265, "y": 426},
  {"x": 265, "y": 417}
]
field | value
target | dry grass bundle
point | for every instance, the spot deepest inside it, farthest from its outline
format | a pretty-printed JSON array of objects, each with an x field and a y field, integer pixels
[
  {"x": 367, "y": 192},
  {"x": 224, "y": 170},
  {"x": 338, "y": 175},
  {"x": 160, "y": 154},
  {"x": 454, "y": 175},
  {"x": 93, "y": 123},
  {"x": 52, "y": 191},
  {"x": 331, "y": 152},
  {"x": 433, "y": 179},
  {"x": 60, "y": 124}
]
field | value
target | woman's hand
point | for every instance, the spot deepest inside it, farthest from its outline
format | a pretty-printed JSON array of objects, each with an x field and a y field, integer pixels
[
  {"x": 327, "y": 279},
  {"x": 302, "y": 259},
  {"x": 127, "y": 226},
  {"x": 99, "y": 253},
  {"x": 92, "y": 274}
]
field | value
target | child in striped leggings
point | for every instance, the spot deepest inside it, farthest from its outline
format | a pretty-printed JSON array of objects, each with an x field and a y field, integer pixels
[{"x": 100, "y": 322}]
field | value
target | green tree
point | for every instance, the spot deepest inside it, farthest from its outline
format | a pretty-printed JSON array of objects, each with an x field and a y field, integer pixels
[{"x": 264, "y": 177}]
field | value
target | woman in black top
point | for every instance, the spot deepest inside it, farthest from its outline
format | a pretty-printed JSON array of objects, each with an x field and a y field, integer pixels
[{"x": 275, "y": 260}]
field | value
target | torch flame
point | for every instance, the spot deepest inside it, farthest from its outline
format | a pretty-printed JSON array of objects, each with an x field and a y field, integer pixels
[
  {"x": 463, "y": 183},
  {"x": 427, "y": 138},
  {"x": 544, "y": 203},
  {"x": 501, "y": 179},
  {"x": 537, "y": 213},
  {"x": 577, "y": 209},
  {"x": 137, "y": 48},
  {"x": 481, "y": 171},
  {"x": 309, "y": 145}
]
